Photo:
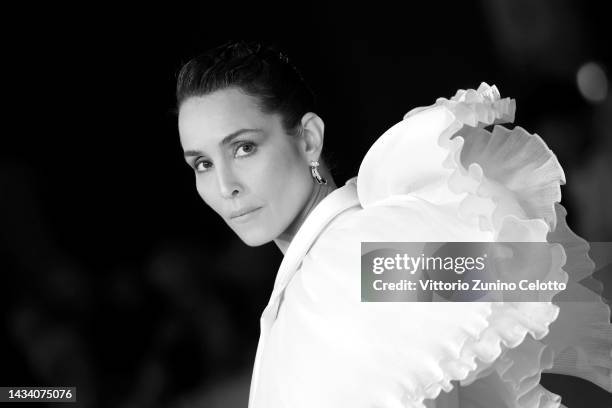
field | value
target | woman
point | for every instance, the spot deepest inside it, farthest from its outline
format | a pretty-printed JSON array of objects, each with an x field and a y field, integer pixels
[{"x": 248, "y": 129}]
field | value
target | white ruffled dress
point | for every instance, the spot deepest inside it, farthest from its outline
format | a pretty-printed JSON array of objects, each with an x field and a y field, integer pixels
[{"x": 437, "y": 176}]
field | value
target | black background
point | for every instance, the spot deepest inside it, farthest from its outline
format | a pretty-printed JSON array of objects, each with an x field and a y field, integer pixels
[{"x": 115, "y": 275}]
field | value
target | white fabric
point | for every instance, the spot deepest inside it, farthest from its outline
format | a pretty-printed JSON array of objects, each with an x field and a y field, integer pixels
[{"x": 436, "y": 176}]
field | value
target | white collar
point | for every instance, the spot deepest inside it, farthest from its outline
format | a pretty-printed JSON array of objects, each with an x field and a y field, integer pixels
[{"x": 333, "y": 204}]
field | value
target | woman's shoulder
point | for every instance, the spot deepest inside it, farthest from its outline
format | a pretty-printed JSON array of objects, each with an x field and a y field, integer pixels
[{"x": 402, "y": 219}]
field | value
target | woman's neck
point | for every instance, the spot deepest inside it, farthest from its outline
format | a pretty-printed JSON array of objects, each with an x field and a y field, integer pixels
[{"x": 319, "y": 192}]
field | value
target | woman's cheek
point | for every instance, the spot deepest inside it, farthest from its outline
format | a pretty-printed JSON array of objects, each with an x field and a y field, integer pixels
[{"x": 205, "y": 193}]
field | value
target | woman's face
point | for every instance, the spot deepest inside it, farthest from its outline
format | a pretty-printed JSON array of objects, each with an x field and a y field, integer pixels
[{"x": 244, "y": 162}]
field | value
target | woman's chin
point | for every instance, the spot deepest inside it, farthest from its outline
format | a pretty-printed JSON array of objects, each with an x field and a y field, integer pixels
[{"x": 254, "y": 239}]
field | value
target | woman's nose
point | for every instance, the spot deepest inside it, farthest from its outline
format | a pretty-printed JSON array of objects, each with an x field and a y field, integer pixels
[{"x": 229, "y": 185}]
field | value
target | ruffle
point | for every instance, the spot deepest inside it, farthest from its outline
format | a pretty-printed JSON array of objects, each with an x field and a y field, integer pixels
[
  {"x": 481, "y": 107},
  {"x": 581, "y": 337},
  {"x": 505, "y": 183}
]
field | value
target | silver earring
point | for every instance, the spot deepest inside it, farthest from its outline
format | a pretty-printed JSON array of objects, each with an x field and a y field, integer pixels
[{"x": 314, "y": 170}]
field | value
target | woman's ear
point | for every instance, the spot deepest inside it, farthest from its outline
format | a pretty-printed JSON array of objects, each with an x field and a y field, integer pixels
[{"x": 311, "y": 136}]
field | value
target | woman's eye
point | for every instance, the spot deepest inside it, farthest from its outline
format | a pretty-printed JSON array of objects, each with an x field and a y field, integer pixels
[
  {"x": 202, "y": 166},
  {"x": 246, "y": 148}
]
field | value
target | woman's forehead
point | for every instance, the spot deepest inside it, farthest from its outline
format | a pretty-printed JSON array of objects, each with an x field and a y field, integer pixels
[{"x": 221, "y": 113}]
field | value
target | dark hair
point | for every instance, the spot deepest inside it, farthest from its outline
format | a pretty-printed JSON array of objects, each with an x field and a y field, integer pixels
[{"x": 258, "y": 70}]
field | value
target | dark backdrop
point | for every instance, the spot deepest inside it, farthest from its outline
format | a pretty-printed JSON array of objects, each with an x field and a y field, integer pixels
[{"x": 115, "y": 275}]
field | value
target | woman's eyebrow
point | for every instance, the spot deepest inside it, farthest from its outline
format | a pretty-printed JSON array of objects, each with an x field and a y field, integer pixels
[{"x": 225, "y": 141}]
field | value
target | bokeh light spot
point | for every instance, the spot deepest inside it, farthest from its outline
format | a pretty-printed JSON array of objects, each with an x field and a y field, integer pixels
[{"x": 592, "y": 82}]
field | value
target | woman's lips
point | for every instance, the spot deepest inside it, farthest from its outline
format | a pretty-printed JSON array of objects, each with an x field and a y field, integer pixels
[{"x": 244, "y": 215}]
